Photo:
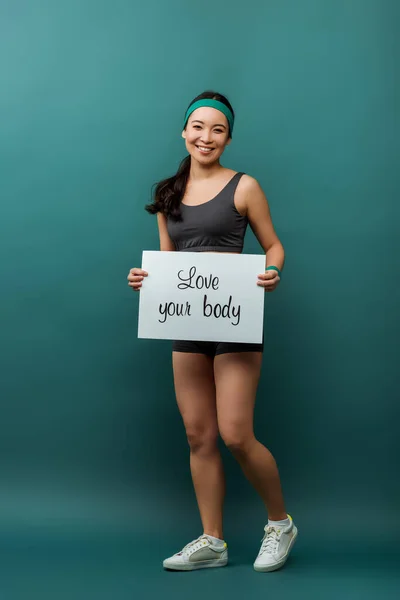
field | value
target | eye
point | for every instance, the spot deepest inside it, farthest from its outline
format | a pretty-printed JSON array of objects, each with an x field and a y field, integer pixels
[{"x": 216, "y": 130}]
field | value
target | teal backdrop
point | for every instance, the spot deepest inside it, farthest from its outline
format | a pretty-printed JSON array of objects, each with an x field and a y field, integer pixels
[{"x": 95, "y": 487}]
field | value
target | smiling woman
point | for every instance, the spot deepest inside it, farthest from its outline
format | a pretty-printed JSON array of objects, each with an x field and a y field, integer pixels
[
  {"x": 206, "y": 207},
  {"x": 207, "y": 129}
]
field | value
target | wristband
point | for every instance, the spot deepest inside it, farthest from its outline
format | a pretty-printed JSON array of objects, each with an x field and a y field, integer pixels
[{"x": 272, "y": 267}]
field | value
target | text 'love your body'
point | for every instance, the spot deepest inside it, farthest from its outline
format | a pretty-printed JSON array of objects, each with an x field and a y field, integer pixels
[{"x": 199, "y": 282}]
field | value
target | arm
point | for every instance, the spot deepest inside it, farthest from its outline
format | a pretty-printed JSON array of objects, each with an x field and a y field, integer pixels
[
  {"x": 136, "y": 275},
  {"x": 259, "y": 215},
  {"x": 166, "y": 244}
]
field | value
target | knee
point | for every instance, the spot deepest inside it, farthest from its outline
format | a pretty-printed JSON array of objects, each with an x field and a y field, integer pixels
[
  {"x": 202, "y": 440},
  {"x": 237, "y": 442}
]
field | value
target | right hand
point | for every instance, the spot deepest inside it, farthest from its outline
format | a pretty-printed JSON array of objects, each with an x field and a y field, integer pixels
[{"x": 135, "y": 278}]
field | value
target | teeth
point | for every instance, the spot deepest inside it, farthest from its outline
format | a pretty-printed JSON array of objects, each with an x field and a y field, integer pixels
[{"x": 204, "y": 149}]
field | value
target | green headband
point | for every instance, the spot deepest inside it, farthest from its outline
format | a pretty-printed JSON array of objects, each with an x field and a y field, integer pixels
[{"x": 213, "y": 104}]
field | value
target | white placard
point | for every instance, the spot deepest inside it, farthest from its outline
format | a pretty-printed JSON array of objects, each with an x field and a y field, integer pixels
[{"x": 202, "y": 296}]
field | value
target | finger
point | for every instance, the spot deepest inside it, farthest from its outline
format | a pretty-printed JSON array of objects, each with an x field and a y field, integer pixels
[
  {"x": 269, "y": 275},
  {"x": 134, "y": 277},
  {"x": 272, "y": 287},
  {"x": 137, "y": 271},
  {"x": 265, "y": 277},
  {"x": 269, "y": 282}
]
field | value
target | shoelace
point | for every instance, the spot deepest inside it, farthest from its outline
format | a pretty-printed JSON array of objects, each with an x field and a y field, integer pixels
[
  {"x": 194, "y": 545},
  {"x": 270, "y": 540}
]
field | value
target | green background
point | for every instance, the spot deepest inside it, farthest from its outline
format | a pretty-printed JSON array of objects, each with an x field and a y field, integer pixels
[{"x": 95, "y": 486}]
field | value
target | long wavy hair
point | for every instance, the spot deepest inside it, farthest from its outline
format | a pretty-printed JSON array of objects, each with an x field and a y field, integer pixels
[{"x": 169, "y": 192}]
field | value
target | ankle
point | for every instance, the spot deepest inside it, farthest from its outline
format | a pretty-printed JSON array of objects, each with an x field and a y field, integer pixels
[
  {"x": 214, "y": 533},
  {"x": 282, "y": 516}
]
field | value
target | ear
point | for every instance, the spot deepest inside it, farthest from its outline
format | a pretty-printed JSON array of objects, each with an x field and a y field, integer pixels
[
  {"x": 184, "y": 134},
  {"x": 228, "y": 141}
]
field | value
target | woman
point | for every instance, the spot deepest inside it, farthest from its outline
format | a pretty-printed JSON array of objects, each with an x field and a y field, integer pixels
[{"x": 206, "y": 207}]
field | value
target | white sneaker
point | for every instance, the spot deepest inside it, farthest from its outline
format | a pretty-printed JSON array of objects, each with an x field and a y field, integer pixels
[
  {"x": 198, "y": 554},
  {"x": 276, "y": 545}
]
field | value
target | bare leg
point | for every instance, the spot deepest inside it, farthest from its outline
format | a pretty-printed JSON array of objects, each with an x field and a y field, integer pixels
[
  {"x": 195, "y": 394},
  {"x": 236, "y": 378}
]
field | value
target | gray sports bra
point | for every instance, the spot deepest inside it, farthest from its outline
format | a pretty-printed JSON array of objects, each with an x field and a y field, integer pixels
[{"x": 214, "y": 226}]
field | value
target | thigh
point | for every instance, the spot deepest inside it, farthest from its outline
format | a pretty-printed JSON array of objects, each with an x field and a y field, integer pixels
[
  {"x": 236, "y": 379},
  {"x": 196, "y": 347},
  {"x": 230, "y": 347},
  {"x": 195, "y": 392}
]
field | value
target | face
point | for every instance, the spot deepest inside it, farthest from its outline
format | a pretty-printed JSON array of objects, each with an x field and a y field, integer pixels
[{"x": 206, "y": 134}]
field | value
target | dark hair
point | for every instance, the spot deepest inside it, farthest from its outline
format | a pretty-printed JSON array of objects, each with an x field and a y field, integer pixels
[{"x": 169, "y": 192}]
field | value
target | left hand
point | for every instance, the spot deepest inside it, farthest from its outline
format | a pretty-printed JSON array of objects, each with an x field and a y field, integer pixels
[{"x": 269, "y": 280}]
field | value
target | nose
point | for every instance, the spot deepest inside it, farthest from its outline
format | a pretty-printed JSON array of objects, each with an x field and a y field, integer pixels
[{"x": 206, "y": 137}]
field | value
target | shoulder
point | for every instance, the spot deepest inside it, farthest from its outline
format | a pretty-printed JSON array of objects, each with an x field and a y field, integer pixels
[
  {"x": 248, "y": 184},
  {"x": 248, "y": 193}
]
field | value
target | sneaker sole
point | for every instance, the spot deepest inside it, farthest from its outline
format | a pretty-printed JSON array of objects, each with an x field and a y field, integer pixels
[
  {"x": 269, "y": 568},
  {"x": 200, "y": 565}
]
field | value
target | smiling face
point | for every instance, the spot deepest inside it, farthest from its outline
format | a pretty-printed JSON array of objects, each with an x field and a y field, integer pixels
[{"x": 206, "y": 134}]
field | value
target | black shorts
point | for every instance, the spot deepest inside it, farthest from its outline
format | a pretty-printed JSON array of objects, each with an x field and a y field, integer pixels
[{"x": 215, "y": 348}]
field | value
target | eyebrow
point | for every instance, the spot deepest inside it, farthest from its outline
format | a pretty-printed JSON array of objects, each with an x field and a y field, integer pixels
[{"x": 202, "y": 122}]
